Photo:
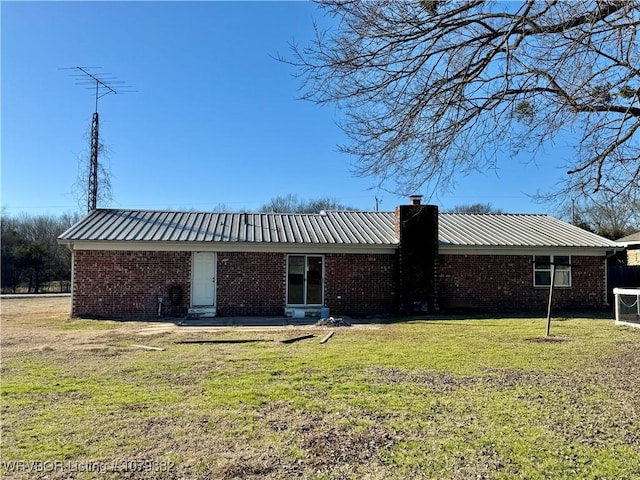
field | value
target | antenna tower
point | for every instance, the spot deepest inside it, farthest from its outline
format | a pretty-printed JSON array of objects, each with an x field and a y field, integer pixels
[{"x": 102, "y": 85}]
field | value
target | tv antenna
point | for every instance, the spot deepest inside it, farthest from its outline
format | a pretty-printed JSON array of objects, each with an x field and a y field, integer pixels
[{"x": 102, "y": 84}]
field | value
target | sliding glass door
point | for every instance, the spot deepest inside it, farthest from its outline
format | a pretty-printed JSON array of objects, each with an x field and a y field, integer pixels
[{"x": 305, "y": 280}]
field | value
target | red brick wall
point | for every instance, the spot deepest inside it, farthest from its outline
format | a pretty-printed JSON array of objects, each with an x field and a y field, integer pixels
[
  {"x": 126, "y": 284},
  {"x": 251, "y": 283},
  {"x": 360, "y": 284},
  {"x": 255, "y": 283},
  {"x": 504, "y": 283}
]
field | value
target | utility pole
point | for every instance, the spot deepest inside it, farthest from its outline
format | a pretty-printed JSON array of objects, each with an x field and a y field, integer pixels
[{"x": 102, "y": 85}]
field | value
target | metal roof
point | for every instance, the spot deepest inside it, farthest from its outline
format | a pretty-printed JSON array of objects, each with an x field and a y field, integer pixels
[
  {"x": 342, "y": 228},
  {"x": 633, "y": 239},
  {"x": 327, "y": 228},
  {"x": 515, "y": 230}
]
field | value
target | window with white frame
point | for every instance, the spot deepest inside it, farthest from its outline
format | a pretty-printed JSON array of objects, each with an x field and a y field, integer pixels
[{"x": 542, "y": 268}]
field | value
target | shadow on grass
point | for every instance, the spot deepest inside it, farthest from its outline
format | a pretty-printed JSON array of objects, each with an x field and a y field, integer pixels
[
  {"x": 257, "y": 321},
  {"x": 555, "y": 316},
  {"x": 222, "y": 341}
]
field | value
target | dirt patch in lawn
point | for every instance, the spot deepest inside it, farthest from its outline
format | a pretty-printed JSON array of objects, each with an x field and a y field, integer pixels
[
  {"x": 318, "y": 447},
  {"x": 549, "y": 339},
  {"x": 571, "y": 402},
  {"x": 435, "y": 381},
  {"x": 43, "y": 323}
]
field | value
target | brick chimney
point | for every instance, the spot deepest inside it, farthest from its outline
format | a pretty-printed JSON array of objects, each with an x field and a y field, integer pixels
[{"x": 417, "y": 232}]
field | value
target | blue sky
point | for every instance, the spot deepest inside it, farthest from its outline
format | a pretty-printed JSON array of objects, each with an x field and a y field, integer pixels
[{"x": 215, "y": 119}]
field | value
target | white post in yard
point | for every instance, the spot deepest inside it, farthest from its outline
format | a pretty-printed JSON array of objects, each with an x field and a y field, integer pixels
[{"x": 553, "y": 281}]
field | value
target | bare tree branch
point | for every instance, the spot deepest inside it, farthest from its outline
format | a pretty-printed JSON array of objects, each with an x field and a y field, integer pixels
[{"x": 431, "y": 90}]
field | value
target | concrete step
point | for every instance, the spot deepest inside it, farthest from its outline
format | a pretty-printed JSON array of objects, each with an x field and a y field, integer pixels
[{"x": 201, "y": 312}]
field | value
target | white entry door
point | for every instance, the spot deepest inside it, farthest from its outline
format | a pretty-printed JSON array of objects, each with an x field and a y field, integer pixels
[{"x": 203, "y": 283}]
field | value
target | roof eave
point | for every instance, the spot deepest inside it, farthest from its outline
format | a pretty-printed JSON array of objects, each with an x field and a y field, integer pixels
[
  {"x": 633, "y": 243},
  {"x": 227, "y": 246},
  {"x": 450, "y": 249}
]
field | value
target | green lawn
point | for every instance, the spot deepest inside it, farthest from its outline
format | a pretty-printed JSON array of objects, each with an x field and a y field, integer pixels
[{"x": 463, "y": 399}]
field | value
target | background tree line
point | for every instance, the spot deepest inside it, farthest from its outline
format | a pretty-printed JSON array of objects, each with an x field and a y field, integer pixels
[
  {"x": 32, "y": 259},
  {"x": 31, "y": 256}
]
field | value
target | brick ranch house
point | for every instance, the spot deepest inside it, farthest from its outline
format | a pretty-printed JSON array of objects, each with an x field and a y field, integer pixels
[{"x": 126, "y": 262}]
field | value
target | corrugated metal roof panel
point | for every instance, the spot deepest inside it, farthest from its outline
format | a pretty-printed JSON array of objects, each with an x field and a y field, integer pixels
[
  {"x": 633, "y": 239},
  {"x": 159, "y": 226},
  {"x": 520, "y": 230},
  {"x": 333, "y": 228}
]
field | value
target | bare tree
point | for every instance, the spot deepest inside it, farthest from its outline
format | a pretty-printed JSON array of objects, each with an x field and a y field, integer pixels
[
  {"x": 610, "y": 216},
  {"x": 291, "y": 203},
  {"x": 435, "y": 89},
  {"x": 476, "y": 208}
]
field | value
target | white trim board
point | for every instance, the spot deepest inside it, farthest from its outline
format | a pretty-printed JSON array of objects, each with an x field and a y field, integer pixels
[
  {"x": 519, "y": 251},
  {"x": 230, "y": 247}
]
